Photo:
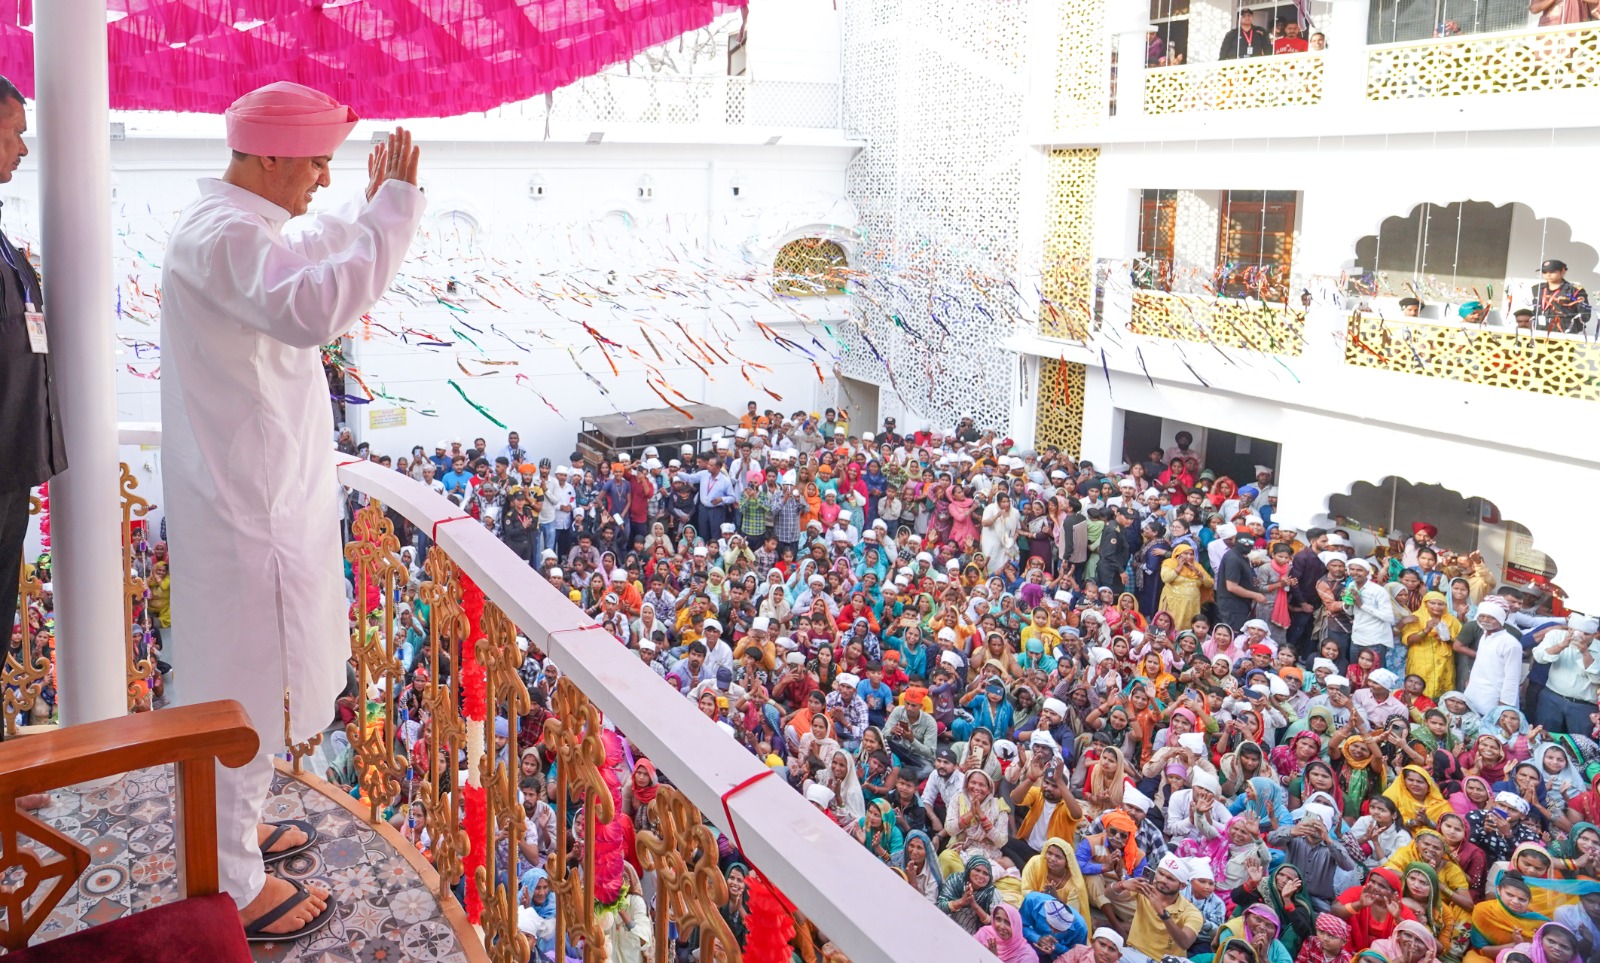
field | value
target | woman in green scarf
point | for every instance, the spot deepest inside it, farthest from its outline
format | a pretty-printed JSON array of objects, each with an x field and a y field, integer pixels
[
  {"x": 1433, "y": 733},
  {"x": 968, "y": 896},
  {"x": 1420, "y": 893},
  {"x": 1285, "y": 892}
]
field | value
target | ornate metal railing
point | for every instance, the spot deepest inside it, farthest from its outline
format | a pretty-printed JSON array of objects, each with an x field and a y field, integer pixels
[
  {"x": 477, "y": 594},
  {"x": 136, "y": 615},
  {"x": 29, "y": 662},
  {"x": 1568, "y": 367},
  {"x": 1251, "y": 325},
  {"x": 465, "y": 781},
  {"x": 1291, "y": 80},
  {"x": 1547, "y": 58}
]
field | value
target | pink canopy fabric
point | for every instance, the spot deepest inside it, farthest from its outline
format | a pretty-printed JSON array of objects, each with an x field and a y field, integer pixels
[{"x": 387, "y": 59}]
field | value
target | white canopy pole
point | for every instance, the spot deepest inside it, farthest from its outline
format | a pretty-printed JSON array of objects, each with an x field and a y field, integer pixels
[{"x": 74, "y": 158}]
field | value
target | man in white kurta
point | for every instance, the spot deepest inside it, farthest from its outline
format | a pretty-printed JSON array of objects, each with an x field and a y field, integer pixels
[{"x": 250, "y": 492}]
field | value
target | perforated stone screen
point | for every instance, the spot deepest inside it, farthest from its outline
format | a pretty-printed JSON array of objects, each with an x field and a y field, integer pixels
[{"x": 936, "y": 90}]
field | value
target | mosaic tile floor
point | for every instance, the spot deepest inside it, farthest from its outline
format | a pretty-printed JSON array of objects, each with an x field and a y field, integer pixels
[{"x": 385, "y": 912}]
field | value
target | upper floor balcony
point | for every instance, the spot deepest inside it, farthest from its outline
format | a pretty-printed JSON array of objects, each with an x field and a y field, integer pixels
[
  {"x": 1199, "y": 68},
  {"x": 423, "y": 805}
]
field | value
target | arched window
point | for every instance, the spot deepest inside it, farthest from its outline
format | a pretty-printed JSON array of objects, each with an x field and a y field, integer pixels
[
  {"x": 458, "y": 233},
  {"x": 809, "y": 267}
]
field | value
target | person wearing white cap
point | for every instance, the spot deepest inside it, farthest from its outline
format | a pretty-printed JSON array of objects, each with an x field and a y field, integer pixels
[
  {"x": 1107, "y": 945},
  {"x": 1569, "y": 692},
  {"x": 1164, "y": 922},
  {"x": 819, "y": 796},
  {"x": 1497, "y": 671},
  {"x": 1202, "y": 892},
  {"x": 847, "y": 710},
  {"x": 1371, "y": 610},
  {"x": 1377, "y": 702},
  {"x": 245, "y": 309},
  {"x": 1198, "y": 811},
  {"x": 1051, "y": 812}
]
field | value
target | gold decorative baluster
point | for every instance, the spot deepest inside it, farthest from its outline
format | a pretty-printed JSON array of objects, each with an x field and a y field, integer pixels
[
  {"x": 574, "y": 735},
  {"x": 133, "y": 586},
  {"x": 446, "y": 728},
  {"x": 25, "y": 669},
  {"x": 375, "y": 561},
  {"x": 690, "y": 888},
  {"x": 497, "y": 652},
  {"x": 297, "y": 750}
]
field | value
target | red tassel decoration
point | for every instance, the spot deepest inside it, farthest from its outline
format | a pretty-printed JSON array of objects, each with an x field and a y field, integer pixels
[{"x": 771, "y": 926}]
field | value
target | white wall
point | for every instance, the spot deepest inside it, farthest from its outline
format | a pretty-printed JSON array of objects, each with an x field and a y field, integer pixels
[
  {"x": 794, "y": 40},
  {"x": 708, "y": 253}
]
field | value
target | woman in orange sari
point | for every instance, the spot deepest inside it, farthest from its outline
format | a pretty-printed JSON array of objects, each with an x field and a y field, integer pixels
[{"x": 1126, "y": 618}]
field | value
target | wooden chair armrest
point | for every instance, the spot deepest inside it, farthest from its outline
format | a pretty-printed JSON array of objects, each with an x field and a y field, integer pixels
[
  {"x": 95, "y": 750},
  {"x": 193, "y": 739}
]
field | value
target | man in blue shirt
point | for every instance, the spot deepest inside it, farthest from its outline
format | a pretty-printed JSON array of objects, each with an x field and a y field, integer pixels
[
  {"x": 458, "y": 477},
  {"x": 716, "y": 496},
  {"x": 877, "y": 694}
]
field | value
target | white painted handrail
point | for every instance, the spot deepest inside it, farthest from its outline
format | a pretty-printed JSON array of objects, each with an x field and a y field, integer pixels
[{"x": 852, "y": 897}]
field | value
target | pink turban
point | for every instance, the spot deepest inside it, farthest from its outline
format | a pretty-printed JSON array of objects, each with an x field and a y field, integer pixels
[{"x": 288, "y": 120}]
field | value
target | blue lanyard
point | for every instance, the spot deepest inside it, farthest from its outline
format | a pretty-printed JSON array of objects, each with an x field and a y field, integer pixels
[{"x": 23, "y": 277}]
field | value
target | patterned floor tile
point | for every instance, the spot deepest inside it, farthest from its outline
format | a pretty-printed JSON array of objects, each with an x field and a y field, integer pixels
[{"x": 385, "y": 913}]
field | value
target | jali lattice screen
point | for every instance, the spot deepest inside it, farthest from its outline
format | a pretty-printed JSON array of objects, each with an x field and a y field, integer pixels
[
  {"x": 1564, "y": 367},
  {"x": 936, "y": 90},
  {"x": 809, "y": 266},
  {"x": 1060, "y": 414},
  {"x": 1068, "y": 307}
]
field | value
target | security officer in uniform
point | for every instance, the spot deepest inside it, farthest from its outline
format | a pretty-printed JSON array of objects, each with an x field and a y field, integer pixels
[{"x": 1558, "y": 304}]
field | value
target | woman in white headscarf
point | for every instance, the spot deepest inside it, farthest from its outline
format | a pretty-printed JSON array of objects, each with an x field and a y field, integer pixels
[
  {"x": 841, "y": 779},
  {"x": 975, "y": 823},
  {"x": 1001, "y": 525}
]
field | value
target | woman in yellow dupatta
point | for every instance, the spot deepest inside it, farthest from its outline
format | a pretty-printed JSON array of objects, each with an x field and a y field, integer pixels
[
  {"x": 1057, "y": 876},
  {"x": 1418, "y": 798},
  {"x": 1427, "y": 846},
  {"x": 1430, "y": 654},
  {"x": 1503, "y": 921},
  {"x": 1186, "y": 583}
]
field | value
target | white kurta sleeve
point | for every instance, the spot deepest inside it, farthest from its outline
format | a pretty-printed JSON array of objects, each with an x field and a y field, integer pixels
[{"x": 306, "y": 301}]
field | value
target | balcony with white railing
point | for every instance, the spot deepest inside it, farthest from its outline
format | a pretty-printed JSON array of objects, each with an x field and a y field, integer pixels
[
  {"x": 417, "y": 847},
  {"x": 1355, "y": 85}
]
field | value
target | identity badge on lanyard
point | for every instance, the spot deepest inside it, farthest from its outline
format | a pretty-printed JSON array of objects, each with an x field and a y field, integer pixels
[{"x": 38, "y": 338}]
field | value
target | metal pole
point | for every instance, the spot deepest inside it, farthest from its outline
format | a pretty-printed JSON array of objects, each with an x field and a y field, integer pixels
[{"x": 70, "y": 73}]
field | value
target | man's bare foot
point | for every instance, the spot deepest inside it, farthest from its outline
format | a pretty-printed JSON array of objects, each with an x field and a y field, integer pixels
[
  {"x": 292, "y": 836},
  {"x": 37, "y": 800},
  {"x": 275, "y": 892}
]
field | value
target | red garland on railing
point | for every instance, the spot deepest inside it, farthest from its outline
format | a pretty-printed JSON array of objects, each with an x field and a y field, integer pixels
[
  {"x": 608, "y": 843},
  {"x": 474, "y": 701},
  {"x": 475, "y": 709},
  {"x": 771, "y": 926},
  {"x": 476, "y": 805}
]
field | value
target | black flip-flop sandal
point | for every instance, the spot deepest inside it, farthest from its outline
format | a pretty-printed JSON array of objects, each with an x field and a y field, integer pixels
[
  {"x": 253, "y": 933},
  {"x": 278, "y": 829}
]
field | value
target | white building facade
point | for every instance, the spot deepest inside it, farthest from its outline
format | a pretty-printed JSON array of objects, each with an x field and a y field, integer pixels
[{"x": 1221, "y": 246}]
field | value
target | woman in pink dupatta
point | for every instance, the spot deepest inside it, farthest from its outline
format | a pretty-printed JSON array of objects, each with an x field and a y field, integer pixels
[{"x": 963, "y": 531}]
